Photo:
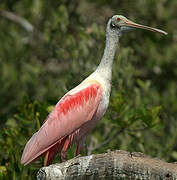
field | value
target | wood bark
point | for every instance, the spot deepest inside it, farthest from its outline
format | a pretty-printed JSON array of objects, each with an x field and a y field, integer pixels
[{"x": 111, "y": 165}]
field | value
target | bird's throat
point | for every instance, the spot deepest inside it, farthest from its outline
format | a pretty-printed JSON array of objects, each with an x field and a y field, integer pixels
[{"x": 105, "y": 66}]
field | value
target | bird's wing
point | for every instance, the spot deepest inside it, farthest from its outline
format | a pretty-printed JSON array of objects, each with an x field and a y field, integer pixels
[{"x": 70, "y": 113}]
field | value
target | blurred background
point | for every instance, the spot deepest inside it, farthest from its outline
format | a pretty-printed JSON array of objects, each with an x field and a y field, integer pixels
[{"x": 49, "y": 47}]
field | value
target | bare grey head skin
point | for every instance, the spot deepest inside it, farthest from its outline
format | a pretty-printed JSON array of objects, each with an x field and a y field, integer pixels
[
  {"x": 116, "y": 26},
  {"x": 119, "y": 24}
]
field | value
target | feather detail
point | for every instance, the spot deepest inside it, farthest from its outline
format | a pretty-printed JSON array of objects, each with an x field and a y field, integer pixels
[{"x": 70, "y": 113}]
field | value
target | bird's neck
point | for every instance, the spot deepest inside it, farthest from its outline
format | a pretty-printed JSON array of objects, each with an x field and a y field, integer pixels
[{"x": 105, "y": 66}]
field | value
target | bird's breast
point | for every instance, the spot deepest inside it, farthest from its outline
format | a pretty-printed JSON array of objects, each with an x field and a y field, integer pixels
[
  {"x": 106, "y": 89},
  {"x": 105, "y": 85}
]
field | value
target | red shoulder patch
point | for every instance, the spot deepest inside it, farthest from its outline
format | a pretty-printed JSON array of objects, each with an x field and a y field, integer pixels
[{"x": 77, "y": 99}]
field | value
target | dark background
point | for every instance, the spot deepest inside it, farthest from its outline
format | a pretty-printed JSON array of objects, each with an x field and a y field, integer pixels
[{"x": 63, "y": 44}]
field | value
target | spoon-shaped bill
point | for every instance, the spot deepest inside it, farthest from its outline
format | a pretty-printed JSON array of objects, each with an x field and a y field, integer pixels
[{"x": 135, "y": 25}]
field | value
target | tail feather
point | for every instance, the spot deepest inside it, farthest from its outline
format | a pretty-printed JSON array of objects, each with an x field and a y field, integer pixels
[{"x": 29, "y": 154}]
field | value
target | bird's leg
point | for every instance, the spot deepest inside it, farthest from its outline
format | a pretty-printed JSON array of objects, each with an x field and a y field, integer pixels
[
  {"x": 79, "y": 149},
  {"x": 51, "y": 153},
  {"x": 46, "y": 158},
  {"x": 64, "y": 149}
]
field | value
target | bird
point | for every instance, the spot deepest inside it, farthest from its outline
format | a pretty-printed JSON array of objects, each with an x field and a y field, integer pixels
[{"x": 78, "y": 111}]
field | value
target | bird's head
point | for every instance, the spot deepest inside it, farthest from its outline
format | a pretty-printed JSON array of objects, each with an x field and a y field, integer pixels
[{"x": 119, "y": 24}]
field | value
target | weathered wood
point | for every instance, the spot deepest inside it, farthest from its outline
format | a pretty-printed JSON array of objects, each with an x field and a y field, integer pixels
[{"x": 111, "y": 165}]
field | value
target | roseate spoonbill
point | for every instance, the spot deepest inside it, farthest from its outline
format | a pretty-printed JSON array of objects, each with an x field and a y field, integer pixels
[{"x": 78, "y": 111}]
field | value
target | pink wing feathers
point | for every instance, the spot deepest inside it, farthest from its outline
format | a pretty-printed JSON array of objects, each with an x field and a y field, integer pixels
[{"x": 70, "y": 113}]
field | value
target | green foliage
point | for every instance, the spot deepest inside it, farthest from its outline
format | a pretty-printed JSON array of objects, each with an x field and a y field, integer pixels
[
  {"x": 17, "y": 131},
  {"x": 38, "y": 67}
]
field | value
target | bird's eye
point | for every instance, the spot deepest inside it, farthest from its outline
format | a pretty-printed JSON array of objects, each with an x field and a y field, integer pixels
[{"x": 118, "y": 19}]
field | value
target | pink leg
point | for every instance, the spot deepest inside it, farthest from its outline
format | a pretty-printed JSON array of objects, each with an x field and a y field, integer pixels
[
  {"x": 79, "y": 148},
  {"x": 52, "y": 152},
  {"x": 64, "y": 149}
]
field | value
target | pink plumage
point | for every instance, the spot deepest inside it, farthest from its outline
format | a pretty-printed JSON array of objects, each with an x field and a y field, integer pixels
[
  {"x": 77, "y": 113},
  {"x": 63, "y": 124}
]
